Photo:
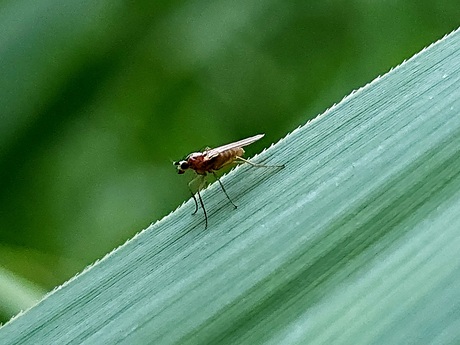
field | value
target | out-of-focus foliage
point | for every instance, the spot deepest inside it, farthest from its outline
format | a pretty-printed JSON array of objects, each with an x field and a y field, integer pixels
[{"x": 97, "y": 97}]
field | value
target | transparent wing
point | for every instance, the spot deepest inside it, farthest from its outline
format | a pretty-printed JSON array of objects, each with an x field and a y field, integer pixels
[{"x": 210, "y": 153}]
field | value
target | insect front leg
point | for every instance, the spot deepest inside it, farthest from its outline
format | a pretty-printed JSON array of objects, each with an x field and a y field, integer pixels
[
  {"x": 200, "y": 179},
  {"x": 202, "y": 184}
]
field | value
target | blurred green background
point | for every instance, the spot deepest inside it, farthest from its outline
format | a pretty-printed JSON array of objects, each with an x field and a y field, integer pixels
[{"x": 98, "y": 97}]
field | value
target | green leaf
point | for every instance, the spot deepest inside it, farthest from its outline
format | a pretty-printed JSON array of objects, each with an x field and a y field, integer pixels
[
  {"x": 17, "y": 293},
  {"x": 354, "y": 242}
]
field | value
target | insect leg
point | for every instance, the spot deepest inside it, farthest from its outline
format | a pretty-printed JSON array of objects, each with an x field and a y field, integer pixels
[
  {"x": 202, "y": 184},
  {"x": 202, "y": 179},
  {"x": 257, "y": 165},
  {"x": 193, "y": 194},
  {"x": 196, "y": 203},
  {"x": 222, "y": 186}
]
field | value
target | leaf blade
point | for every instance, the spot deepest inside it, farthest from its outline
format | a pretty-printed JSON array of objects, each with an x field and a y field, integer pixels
[{"x": 354, "y": 242}]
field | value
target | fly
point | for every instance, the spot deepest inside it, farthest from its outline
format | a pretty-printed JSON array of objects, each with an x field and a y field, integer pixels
[{"x": 210, "y": 160}]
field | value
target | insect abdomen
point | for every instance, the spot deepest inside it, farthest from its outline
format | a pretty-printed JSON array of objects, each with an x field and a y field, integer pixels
[{"x": 226, "y": 157}]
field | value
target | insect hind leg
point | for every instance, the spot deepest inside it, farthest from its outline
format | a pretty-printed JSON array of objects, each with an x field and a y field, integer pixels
[{"x": 242, "y": 160}]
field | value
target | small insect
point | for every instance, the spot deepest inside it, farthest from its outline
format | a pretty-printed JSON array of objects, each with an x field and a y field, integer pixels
[{"x": 211, "y": 160}]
